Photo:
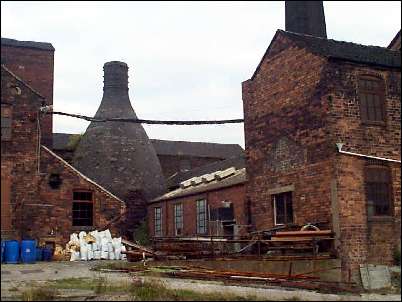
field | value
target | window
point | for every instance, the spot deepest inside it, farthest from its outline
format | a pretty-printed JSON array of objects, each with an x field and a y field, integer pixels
[
  {"x": 158, "y": 221},
  {"x": 372, "y": 95},
  {"x": 201, "y": 216},
  {"x": 82, "y": 208},
  {"x": 377, "y": 183},
  {"x": 283, "y": 209},
  {"x": 178, "y": 218},
  {"x": 5, "y": 122}
]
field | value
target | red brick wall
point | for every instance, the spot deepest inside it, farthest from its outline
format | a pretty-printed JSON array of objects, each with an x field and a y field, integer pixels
[
  {"x": 55, "y": 209},
  {"x": 365, "y": 239},
  {"x": 36, "y": 68},
  {"x": 286, "y": 135},
  {"x": 296, "y": 108},
  {"x": 36, "y": 209},
  {"x": 235, "y": 194},
  {"x": 18, "y": 157}
]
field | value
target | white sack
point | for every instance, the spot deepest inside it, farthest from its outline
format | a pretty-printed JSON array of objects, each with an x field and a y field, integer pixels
[
  {"x": 104, "y": 255},
  {"x": 97, "y": 255},
  {"x": 111, "y": 256},
  {"x": 75, "y": 256},
  {"x": 90, "y": 254},
  {"x": 108, "y": 235},
  {"x": 110, "y": 247},
  {"x": 117, "y": 254},
  {"x": 82, "y": 234}
]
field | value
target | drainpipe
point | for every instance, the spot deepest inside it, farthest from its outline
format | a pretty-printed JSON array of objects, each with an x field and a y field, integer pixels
[{"x": 340, "y": 145}]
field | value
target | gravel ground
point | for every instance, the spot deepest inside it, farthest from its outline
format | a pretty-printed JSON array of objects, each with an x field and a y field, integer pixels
[{"x": 20, "y": 275}]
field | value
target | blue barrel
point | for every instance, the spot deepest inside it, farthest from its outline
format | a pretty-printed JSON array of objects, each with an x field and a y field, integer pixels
[
  {"x": 3, "y": 244},
  {"x": 11, "y": 251},
  {"x": 47, "y": 254},
  {"x": 39, "y": 254},
  {"x": 28, "y": 251}
]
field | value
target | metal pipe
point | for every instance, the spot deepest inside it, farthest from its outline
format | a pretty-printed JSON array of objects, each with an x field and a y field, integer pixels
[{"x": 340, "y": 145}]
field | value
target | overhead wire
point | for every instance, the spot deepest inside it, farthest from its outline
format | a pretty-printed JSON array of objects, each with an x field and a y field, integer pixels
[{"x": 146, "y": 121}]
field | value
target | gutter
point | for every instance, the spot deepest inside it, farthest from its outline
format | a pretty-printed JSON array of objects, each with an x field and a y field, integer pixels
[{"x": 340, "y": 145}]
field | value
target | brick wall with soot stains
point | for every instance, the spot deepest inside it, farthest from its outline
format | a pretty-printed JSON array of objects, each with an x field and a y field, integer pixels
[
  {"x": 18, "y": 155},
  {"x": 365, "y": 238},
  {"x": 36, "y": 68},
  {"x": 296, "y": 108}
]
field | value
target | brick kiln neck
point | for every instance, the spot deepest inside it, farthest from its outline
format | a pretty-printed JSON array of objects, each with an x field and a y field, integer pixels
[
  {"x": 305, "y": 17},
  {"x": 115, "y": 81}
]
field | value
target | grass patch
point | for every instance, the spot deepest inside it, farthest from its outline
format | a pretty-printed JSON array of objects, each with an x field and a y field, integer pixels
[
  {"x": 115, "y": 265},
  {"x": 156, "y": 291},
  {"x": 99, "y": 285},
  {"x": 39, "y": 294}
]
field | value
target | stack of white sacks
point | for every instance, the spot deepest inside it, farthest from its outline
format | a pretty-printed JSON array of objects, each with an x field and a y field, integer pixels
[{"x": 95, "y": 246}]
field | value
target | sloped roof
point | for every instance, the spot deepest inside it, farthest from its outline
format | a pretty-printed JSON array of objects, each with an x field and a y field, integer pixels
[
  {"x": 174, "y": 148},
  {"x": 74, "y": 170},
  {"x": 27, "y": 44},
  {"x": 199, "y": 149},
  {"x": 348, "y": 51},
  {"x": 4, "y": 68},
  {"x": 238, "y": 162},
  {"x": 238, "y": 177},
  {"x": 395, "y": 40}
]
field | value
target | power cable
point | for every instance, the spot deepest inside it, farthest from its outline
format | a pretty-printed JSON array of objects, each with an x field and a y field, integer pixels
[{"x": 145, "y": 121}]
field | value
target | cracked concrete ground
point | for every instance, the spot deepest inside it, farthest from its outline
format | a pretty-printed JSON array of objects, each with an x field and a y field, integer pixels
[{"x": 18, "y": 276}]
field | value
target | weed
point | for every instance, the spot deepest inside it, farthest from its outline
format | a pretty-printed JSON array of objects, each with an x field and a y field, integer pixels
[{"x": 39, "y": 294}]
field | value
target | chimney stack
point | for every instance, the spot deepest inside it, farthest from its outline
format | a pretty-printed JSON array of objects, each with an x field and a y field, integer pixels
[
  {"x": 115, "y": 75},
  {"x": 305, "y": 17}
]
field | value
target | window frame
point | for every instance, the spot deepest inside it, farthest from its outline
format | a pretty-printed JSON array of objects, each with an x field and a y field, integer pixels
[
  {"x": 202, "y": 229},
  {"x": 178, "y": 223},
  {"x": 82, "y": 201},
  {"x": 158, "y": 229},
  {"x": 380, "y": 92},
  {"x": 370, "y": 168},
  {"x": 285, "y": 201}
]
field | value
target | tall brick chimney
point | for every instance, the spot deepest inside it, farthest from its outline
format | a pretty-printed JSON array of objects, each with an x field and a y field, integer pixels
[
  {"x": 305, "y": 17},
  {"x": 119, "y": 155}
]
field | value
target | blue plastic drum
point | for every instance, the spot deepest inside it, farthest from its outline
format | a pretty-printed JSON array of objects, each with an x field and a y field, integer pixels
[
  {"x": 28, "y": 251},
  {"x": 47, "y": 254},
  {"x": 39, "y": 254},
  {"x": 11, "y": 251}
]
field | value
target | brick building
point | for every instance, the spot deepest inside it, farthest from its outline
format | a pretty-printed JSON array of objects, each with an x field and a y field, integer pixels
[
  {"x": 307, "y": 94},
  {"x": 33, "y": 62},
  {"x": 42, "y": 196},
  {"x": 206, "y": 204}
]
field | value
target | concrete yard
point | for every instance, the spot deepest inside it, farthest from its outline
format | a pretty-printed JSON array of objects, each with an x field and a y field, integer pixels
[{"x": 15, "y": 278}]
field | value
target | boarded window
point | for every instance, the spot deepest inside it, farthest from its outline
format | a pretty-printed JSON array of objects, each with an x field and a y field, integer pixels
[
  {"x": 201, "y": 216},
  {"x": 6, "y": 120},
  {"x": 158, "y": 222},
  {"x": 372, "y": 99},
  {"x": 82, "y": 208},
  {"x": 283, "y": 208},
  {"x": 378, "y": 186},
  {"x": 178, "y": 218}
]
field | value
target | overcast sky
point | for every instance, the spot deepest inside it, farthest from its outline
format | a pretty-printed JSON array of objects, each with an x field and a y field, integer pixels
[{"x": 186, "y": 59}]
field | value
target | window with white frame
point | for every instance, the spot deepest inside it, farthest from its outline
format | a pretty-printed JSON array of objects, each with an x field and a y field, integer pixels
[
  {"x": 158, "y": 222},
  {"x": 178, "y": 218},
  {"x": 283, "y": 208},
  {"x": 202, "y": 216}
]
